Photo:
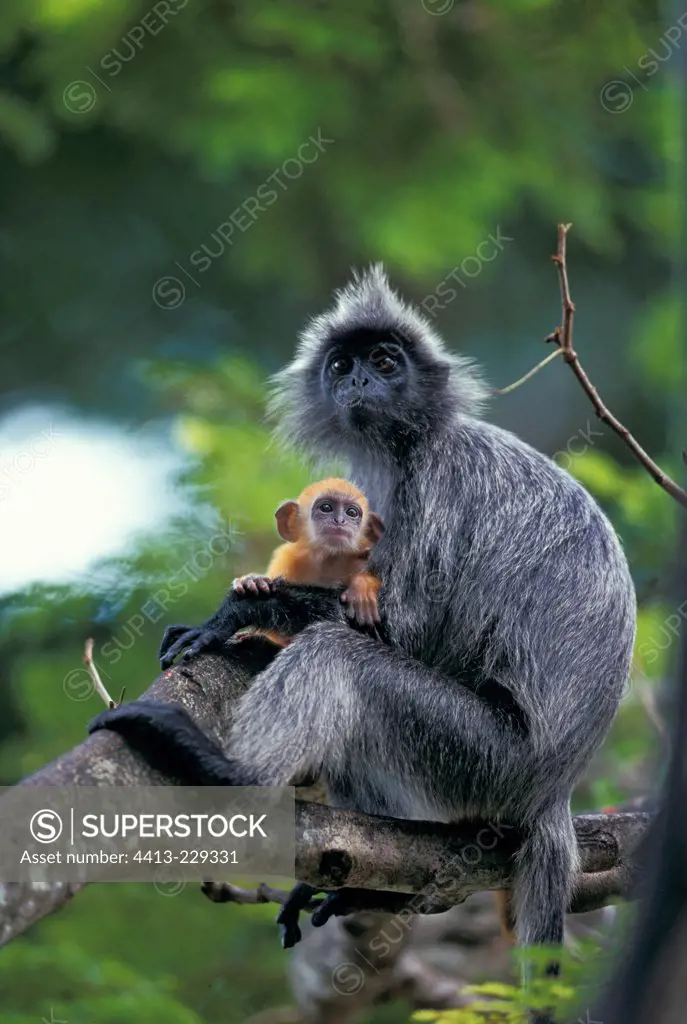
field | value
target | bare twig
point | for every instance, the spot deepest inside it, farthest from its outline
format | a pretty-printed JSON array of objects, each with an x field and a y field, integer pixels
[
  {"x": 563, "y": 338},
  {"x": 522, "y": 380},
  {"x": 225, "y": 892},
  {"x": 95, "y": 676}
]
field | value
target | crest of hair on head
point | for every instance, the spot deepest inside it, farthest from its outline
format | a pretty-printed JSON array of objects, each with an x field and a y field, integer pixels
[{"x": 367, "y": 302}]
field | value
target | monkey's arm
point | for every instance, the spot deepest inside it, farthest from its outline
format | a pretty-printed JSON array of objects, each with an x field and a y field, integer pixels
[
  {"x": 286, "y": 609},
  {"x": 286, "y": 563}
]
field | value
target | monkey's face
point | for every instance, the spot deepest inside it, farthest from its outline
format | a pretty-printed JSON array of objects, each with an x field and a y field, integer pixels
[
  {"x": 366, "y": 377},
  {"x": 336, "y": 522},
  {"x": 376, "y": 380},
  {"x": 370, "y": 376}
]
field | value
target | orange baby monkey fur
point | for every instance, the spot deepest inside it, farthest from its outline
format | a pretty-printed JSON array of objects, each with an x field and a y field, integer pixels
[{"x": 325, "y": 553}]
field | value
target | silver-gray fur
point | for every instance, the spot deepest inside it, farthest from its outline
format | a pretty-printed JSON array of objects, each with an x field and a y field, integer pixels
[{"x": 502, "y": 579}]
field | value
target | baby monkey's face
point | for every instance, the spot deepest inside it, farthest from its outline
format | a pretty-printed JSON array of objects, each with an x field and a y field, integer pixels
[{"x": 336, "y": 521}]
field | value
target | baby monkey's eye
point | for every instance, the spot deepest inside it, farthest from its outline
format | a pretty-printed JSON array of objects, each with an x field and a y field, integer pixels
[
  {"x": 383, "y": 360},
  {"x": 353, "y": 512},
  {"x": 326, "y": 507},
  {"x": 341, "y": 364}
]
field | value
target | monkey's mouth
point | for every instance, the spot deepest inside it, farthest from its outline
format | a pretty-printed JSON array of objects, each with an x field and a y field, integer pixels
[
  {"x": 336, "y": 534},
  {"x": 347, "y": 398}
]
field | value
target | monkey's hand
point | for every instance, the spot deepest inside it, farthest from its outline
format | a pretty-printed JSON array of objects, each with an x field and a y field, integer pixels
[
  {"x": 189, "y": 639},
  {"x": 360, "y": 598},
  {"x": 253, "y": 584},
  {"x": 287, "y": 609}
]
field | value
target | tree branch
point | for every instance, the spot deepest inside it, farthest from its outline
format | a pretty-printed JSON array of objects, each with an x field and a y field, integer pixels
[
  {"x": 441, "y": 864},
  {"x": 563, "y": 338}
]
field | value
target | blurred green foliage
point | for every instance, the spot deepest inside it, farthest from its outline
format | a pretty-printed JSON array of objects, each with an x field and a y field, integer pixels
[
  {"x": 497, "y": 1003},
  {"x": 129, "y": 137}
]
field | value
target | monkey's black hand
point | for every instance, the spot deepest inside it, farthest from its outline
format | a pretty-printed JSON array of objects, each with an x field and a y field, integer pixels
[
  {"x": 191, "y": 640},
  {"x": 287, "y": 609}
]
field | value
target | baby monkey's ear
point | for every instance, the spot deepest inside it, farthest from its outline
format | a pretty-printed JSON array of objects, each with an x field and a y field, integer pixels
[
  {"x": 374, "y": 527},
  {"x": 288, "y": 520}
]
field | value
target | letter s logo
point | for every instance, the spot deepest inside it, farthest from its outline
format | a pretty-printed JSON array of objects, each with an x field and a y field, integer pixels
[{"x": 46, "y": 826}]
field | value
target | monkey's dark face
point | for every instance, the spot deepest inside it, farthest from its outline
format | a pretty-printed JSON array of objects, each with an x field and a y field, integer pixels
[
  {"x": 365, "y": 376},
  {"x": 336, "y": 521},
  {"x": 376, "y": 378}
]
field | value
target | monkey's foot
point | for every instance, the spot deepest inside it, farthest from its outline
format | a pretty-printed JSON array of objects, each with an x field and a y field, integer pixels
[
  {"x": 360, "y": 598},
  {"x": 253, "y": 584},
  {"x": 363, "y": 610},
  {"x": 342, "y": 903},
  {"x": 188, "y": 639},
  {"x": 142, "y": 723},
  {"x": 349, "y": 901},
  {"x": 169, "y": 740},
  {"x": 288, "y": 916}
]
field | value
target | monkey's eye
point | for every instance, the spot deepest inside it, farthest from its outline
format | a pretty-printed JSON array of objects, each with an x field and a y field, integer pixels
[
  {"x": 326, "y": 507},
  {"x": 342, "y": 364},
  {"x": 383, "y": 361},
  {"x": 353, "y": 512}
]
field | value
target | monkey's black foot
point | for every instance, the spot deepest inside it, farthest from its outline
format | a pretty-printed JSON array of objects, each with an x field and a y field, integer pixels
[
  {"x": 171, "y": 743},
  {"x": 188, "y": 639},
  {"x": 138, "y": 721},
  {"x": 288, "y": 916},
  {"x": 348, "y": 901}
]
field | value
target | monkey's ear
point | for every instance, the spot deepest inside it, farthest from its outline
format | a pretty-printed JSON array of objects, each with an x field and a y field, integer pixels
[
  {"x": 287, "y": 516},
  {"x": 375, "y": 527}
]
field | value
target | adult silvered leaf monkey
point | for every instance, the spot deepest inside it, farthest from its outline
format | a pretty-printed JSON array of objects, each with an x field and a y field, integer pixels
[{"x": 506, "y": 602}]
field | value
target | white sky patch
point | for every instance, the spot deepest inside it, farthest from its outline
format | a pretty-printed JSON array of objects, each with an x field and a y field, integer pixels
[{"x": 74, "y": 490}]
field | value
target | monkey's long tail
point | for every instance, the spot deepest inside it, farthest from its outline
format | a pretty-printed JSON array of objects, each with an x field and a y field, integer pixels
[
  {"x": 545, "y": 867},
  {"x": 546, "y": 864}
]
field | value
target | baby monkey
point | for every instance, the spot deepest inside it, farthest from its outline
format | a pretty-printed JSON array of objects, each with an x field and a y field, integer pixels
[{"x": 329, "y": 533}]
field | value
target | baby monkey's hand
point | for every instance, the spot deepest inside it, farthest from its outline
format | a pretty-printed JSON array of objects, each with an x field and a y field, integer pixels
[
  {"x": 252, "y": 583},
  {"x": 360, "y": 597}
]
